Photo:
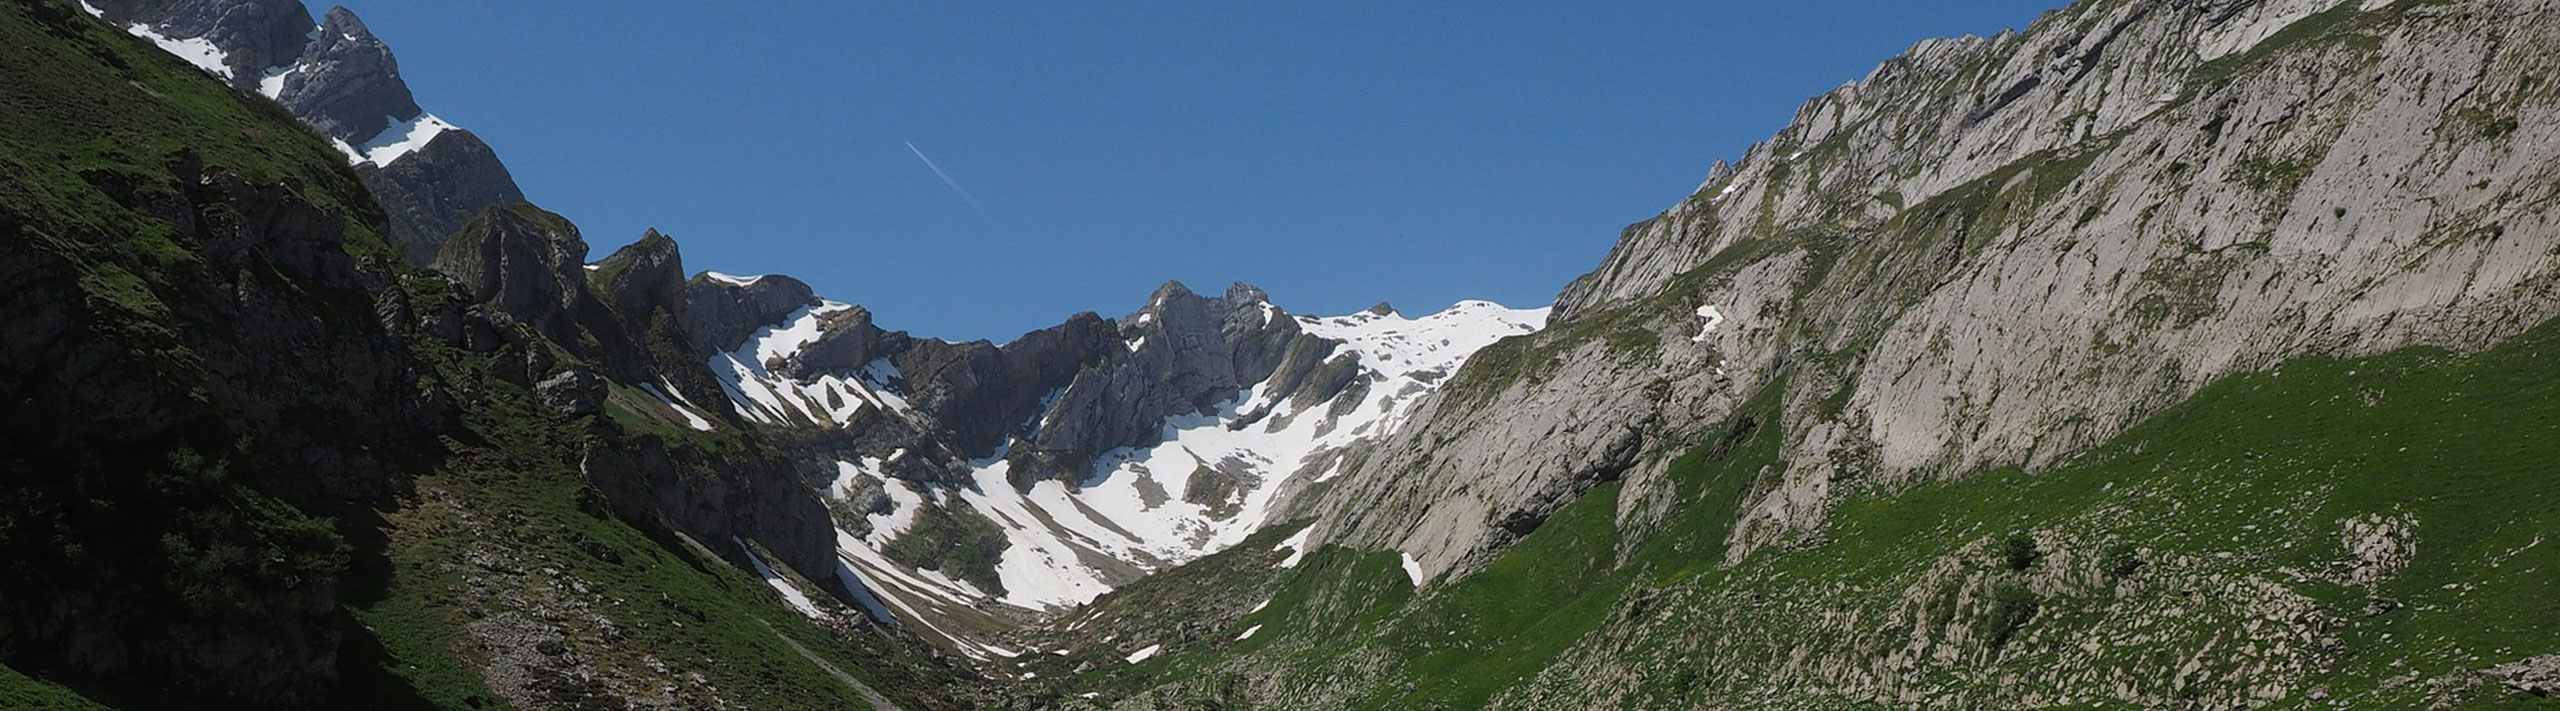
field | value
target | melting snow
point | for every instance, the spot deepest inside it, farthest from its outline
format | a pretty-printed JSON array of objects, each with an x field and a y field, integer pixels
[
  {"x": 271, "y": 85},
  {"x": 903, "y": 499},
  {"x": 1297, "y": 547},
  {"x": 1394, "y": 345},
  {"x": 691, "y": 419},
  {"x": 731, "y": 279},
  {"x": 196, "y": 50},
  {"x": 762, "y": 396},
  {"x": 790, "y": 593},
  {"x": 1145, "y": 654},
  {"x": 1708, "y": 319},
  {"x": 862, "y": 594},
  {"x": 397, "y": 139},
  {"x": 1133, "y": 507}
]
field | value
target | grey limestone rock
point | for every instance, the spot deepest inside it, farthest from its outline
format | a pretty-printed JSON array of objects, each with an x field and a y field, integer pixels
[
  {"x": 522, "y": 262},
  {"x": 1999, "y": 251},
  {"x": 722, "y": 314},
  {"x": 347, "y": 84},
  {"x": 434, "y": 191}
]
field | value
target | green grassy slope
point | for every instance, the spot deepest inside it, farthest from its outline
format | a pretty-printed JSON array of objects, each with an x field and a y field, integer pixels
[{"x": 2200, "y": 559}]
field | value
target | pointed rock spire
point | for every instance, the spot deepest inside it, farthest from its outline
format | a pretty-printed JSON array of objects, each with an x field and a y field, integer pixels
[{"x": 348, "y": 84}]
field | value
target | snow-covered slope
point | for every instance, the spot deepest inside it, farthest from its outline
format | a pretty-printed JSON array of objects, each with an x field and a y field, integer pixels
[{"x": 1214, "y": 478}]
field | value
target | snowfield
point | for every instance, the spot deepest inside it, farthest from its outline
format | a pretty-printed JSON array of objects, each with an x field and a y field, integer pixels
[{"x": 1069, "y": 542}]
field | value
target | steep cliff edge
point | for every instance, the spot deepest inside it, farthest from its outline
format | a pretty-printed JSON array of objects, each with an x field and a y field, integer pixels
[{"x": 2000, "y": 251}]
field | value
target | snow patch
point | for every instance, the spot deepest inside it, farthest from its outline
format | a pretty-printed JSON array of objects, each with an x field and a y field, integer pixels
[
  {"x": 1248, "y": 633},
  {"x": 691, "y": 419},
  {"x": 790, "y": 593},
  {"x": 1708, "y": 319},
  {"x": 399, "y": 139},
  {"x": 862, "y": 594},
  {"x": 1132, "y": 506},
  {"x": 733, "y": 280},
  {"x": 1297, "y": 547},
  {"x": 196, "y": 50},
  {"x": 271, "y": 84},
  {"x": 1145, "y": 654},
  {"x": 1393, "y": 345},
  {"x": 1412, "y": 568}
]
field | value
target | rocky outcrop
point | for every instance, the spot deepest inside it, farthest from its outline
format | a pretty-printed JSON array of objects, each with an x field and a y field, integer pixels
[
  {"x": 434, "y": 191},
  {"x": 848, "y": 341},
  {"x": 986, "y": 395},
  {"x": 723, "y": 310},
  {"x": 717, "y": 497},
  {"x": 524, "y": 265},
  {"x": 642, "y": 287},
  {"x": 1054, "y": 399}
]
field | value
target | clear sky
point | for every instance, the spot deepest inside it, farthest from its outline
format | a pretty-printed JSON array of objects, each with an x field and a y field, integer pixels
[{"x": 1336, "y": 154}]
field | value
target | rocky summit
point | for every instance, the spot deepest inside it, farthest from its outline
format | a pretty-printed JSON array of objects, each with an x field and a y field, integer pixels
[{"x": 2162, "y": 354}]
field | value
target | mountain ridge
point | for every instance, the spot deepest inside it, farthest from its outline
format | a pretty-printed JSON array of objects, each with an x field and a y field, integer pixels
[{"x": 1977, "y": 385}]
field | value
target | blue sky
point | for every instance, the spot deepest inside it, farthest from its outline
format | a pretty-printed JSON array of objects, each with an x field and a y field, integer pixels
[{"x": 1335, "y": 154}]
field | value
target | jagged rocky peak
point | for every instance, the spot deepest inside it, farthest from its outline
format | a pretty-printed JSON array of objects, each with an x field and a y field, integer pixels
[
  {"x": 727, "y": 309},
  {"x": 847, "y": 341},
  {"x": 1186, "y": 354},
  {"x": 519, "y": 261},
  {"x": 1187, "y": 320},
  {"x": 252, "y": 35},
  {"x": 347, "y": 84}
]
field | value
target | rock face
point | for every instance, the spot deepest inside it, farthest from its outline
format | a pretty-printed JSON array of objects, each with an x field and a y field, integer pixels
[
  {"x": 433, "y": 192},
  {"x": 1186, "y": 354},
  {"x": 347, "y": 84},
  {"x": 724, "y": 311},
  {"x": 642, "y": 289},
  {"x": 343, "y": 81},
  {"x": 1998, "y": 251},
  {"x": 524, "y": 265}
]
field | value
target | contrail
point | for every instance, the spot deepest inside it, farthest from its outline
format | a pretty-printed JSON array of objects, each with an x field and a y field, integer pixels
[{"x": 946, "y": 178}]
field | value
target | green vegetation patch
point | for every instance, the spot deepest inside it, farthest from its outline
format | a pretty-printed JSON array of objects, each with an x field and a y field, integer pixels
[{"x": 953, "y": 539}]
